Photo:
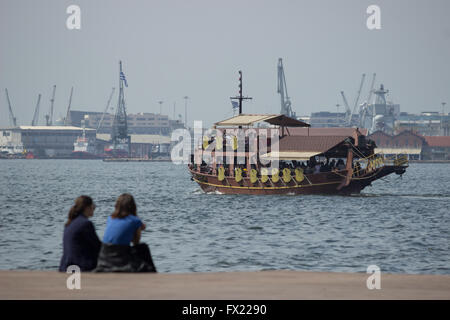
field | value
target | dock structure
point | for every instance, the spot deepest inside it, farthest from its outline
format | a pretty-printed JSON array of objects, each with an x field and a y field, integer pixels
[{"x": 258, "y": 285}]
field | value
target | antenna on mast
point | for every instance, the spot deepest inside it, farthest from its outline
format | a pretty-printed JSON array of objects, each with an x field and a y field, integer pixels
[{"x": 240, "y": 97}]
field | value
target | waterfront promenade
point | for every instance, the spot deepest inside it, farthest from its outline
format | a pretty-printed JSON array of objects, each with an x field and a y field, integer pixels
[{"x": 222, "y": 285}]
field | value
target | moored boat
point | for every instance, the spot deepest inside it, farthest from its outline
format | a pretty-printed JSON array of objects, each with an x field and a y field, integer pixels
[{"x": 82, "y": 149}]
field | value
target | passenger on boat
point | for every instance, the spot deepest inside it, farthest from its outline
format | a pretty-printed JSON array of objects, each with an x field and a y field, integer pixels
[
  {"x": 357, "y": 169},
  {"x": 122, "y": 228},
  {"x": 309, "y": 167},
  {"x": 332, "y": 164},
  {"x": 317, "y": 168},
  {"x": 340, "y": 164},
  {"x": 80, "y": 242}
]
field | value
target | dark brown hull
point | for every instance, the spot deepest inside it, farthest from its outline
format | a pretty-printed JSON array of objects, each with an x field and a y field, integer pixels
[{"x": 320, "y": 183}]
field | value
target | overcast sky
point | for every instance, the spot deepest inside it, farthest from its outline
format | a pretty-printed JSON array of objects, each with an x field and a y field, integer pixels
[{"x": 173, "y": 48}]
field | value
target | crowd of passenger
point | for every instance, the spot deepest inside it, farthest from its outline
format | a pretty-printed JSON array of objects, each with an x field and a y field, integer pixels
[{"x": 311, "y": 166}]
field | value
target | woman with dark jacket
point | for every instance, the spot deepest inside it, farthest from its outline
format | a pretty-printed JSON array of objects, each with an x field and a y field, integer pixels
[
  {"x": 122, "y": 228},
  {"x": 80, "y": 242}
]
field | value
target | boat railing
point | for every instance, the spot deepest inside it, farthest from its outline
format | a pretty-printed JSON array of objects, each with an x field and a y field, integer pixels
[{"x": 378, "y": 160}]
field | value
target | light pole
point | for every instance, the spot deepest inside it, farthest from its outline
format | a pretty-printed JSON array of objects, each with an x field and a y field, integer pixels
[
  {"x": 160, "y": 113},
  {"x": 442, "y": 117},
  {"x": 160, "y": 107},
  {"x": 337, "y": 115},
  {"x": 185, "y": 111}
]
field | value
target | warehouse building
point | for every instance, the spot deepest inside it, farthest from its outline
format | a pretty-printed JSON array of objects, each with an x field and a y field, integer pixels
[{"x": 45, "y": 141}]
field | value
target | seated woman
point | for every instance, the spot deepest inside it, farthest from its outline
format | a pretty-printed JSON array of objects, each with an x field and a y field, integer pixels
[
  {"x": 80, "y": 242},
  {"x": 122, "y": 228}
]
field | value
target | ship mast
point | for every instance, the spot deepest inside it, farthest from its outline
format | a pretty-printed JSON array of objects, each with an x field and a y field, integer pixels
[{"x": 240, "y": 97}]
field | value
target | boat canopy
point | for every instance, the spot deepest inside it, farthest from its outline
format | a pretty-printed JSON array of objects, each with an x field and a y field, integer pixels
[
  {"x": 305, "y": 147},
  {"x": 274, "y": 119},
  {"x": 290, "y": 155}
]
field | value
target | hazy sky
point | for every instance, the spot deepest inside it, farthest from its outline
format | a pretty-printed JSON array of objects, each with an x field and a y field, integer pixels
[{"x": 175, "y": 48}]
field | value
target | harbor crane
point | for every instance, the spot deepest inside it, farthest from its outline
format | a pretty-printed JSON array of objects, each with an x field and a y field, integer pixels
[
  {"x": 349, "y": 120},
  {"x": 66, "y": 120},
  {"x": 12, "y": 118},
  {"x": 371, "y": 88},
  {"x": 348, "y": 111},
  {"x": 364, "y": 107},
  {"x": 35, "y": 120},
  {"x": 106, "y": 109},
  {"x": 49, "y": 117},
  {"x": 282, "y": 90},
  {"x": 119, "y": 135}
]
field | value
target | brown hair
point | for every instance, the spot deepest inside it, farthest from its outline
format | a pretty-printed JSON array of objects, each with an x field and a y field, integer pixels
[
  {"x": 125, "y": 206},
  {"x": 81, "y": 203}
]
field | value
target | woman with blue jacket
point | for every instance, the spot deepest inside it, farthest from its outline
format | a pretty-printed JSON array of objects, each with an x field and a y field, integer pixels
[{"x": 124, "y": 227}]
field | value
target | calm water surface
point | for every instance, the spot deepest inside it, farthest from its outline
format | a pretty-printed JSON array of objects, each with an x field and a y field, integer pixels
[{"x": 399, "y": 224}]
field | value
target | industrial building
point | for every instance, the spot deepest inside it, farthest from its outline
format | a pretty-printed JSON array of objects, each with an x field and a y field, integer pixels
[
  {"x": 325, "y": 119},
  {"x": 45, "y": 141},
  {"x": 437, "y": 148},
  {"x": 405, "y": 143},
  {"x": 140, "y": 123},
  {"x": 413, "y": 145},
  {"x": 425, "y": 123}
]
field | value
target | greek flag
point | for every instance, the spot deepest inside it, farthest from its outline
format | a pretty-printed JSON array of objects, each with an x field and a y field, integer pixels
[
  {"x": 235, "y": 104},
  {"x": 122, "y": 77}
]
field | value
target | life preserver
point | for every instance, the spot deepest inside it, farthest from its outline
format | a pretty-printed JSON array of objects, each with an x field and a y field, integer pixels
[
  {"x": 380, "y": 162},
  {"x": 299, "y": 177},
  {"x": 234, "y": 143},
  {"x": 205, "y": 142},
  {"x": 275, "y": 175},
  {"x": 221, "y": 173},
  {"x": 253, "y": 176},
  {"x": 369, "y": 166},
  {"x": 238, "y": 174},
  {"x": 286, "y": 175},
  {"x": 264, "y": 175},
  {"x": 219, "y": 143}
]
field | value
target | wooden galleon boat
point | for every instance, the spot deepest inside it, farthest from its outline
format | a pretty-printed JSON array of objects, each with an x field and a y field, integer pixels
[
  {"x": 277, "y": 154},
  {"x": 310, "y": 160}
]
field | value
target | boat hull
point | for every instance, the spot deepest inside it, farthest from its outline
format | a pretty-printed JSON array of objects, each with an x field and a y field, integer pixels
[
  {"x": 319, "y": 183},
  {"x": 84, "y": 155}
]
